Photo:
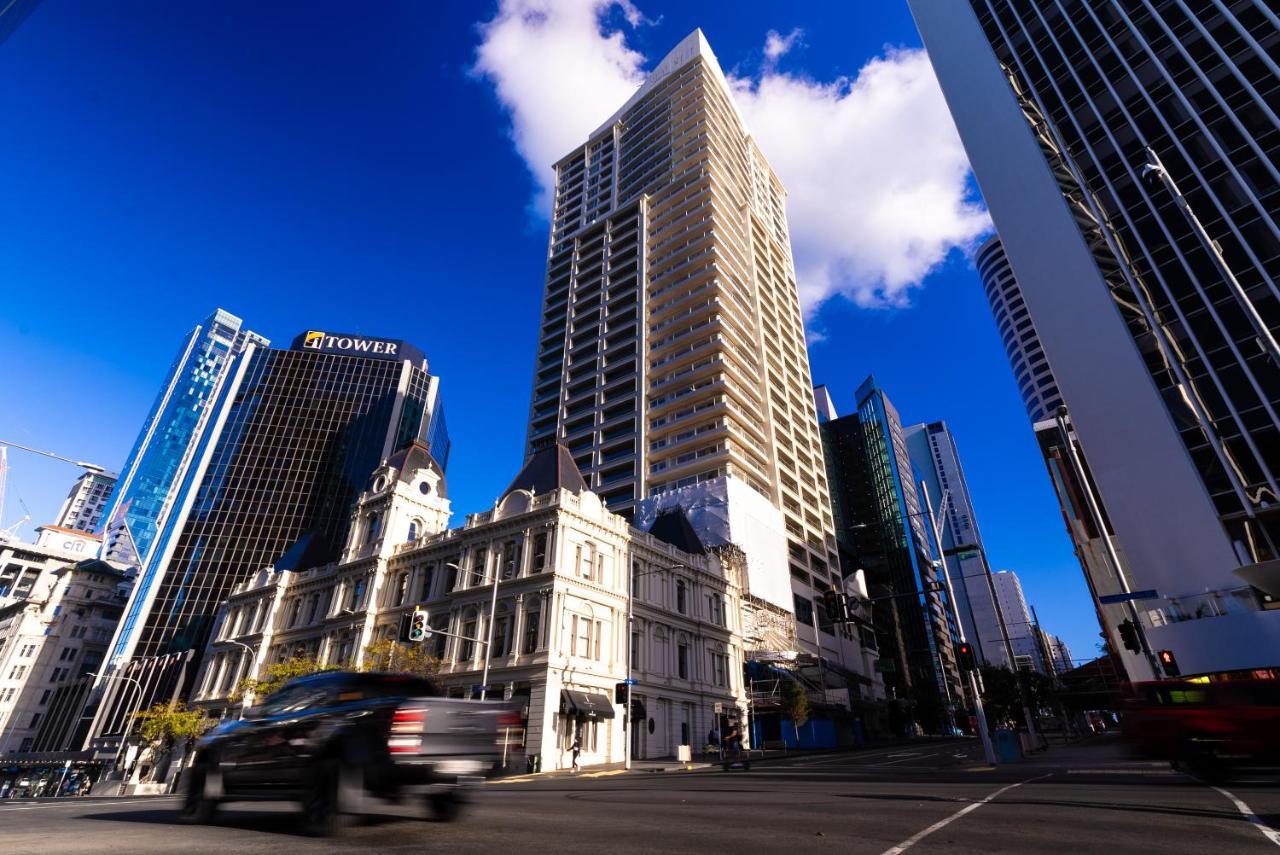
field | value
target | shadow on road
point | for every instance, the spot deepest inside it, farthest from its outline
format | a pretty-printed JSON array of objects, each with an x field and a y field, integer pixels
[{"x": 285, "y": 823}]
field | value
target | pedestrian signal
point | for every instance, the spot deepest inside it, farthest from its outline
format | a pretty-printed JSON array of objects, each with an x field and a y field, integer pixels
[{"x": 1168, "y": 663}]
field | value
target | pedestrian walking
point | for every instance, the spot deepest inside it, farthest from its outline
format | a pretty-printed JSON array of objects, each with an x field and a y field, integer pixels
[{"x": 576, "y": 750}]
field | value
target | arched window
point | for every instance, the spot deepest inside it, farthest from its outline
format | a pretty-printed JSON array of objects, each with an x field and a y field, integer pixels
[
  {"x": 413, "y": 530},
  {"x": 682, "y": 597},
  {"x": 375, "y": 527}
]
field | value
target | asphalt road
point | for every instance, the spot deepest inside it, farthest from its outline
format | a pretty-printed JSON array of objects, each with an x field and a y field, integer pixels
[{"x": 929, "y": 798}]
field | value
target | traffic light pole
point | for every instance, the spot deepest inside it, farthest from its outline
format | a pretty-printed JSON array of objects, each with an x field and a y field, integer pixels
[{"x": 978, "y": 711}]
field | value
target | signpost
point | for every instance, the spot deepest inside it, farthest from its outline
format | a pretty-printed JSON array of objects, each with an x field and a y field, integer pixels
[{"x": 1128, "y": 596}]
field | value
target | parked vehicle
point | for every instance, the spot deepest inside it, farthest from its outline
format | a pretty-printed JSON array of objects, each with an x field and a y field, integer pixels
[
  {"x": 335, "y": 740},
  {"x": 1207, "y": 728}
]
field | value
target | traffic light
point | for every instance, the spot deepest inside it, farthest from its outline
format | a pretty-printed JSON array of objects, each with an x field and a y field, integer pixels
[
  {"x": 833, "y": 606},
  {"x": 620, "y": 693},
  {"x": 1168, "y": 663},
  {"x": 418, "y": 630},
  {"x": 965, "y": 658},
  {"x": 1129, "y": 635}
]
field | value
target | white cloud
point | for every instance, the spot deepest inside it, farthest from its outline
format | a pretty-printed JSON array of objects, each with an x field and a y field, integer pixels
[
  {"x": 877, "y": 179},
  {"x": 559, "y": 73},
  {"x": 775, "y": 44}
]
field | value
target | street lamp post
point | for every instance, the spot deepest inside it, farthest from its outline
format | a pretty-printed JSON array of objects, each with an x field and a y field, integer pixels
[
  {"x": 123, "y": 737},
  {"x": 253, "y": 654},
  {"x": 979, "y": 712},
  {"x": 493, "y": 614}
]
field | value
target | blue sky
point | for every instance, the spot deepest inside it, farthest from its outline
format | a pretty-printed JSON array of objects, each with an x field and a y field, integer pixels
[{"x": 355, "y": 171}]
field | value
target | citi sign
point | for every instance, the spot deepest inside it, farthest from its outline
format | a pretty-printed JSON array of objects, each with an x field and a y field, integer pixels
[{"x": 315, "y": 340}]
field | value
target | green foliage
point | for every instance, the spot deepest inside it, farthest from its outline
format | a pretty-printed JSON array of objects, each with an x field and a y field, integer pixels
[
  {"x": 400, "y": 658},
  {"x": 1003, "y": 701},
  {"x": 164, "y": 726},
  {"x": 276, "y": 675},
  {"x": 795, "y": 703}
]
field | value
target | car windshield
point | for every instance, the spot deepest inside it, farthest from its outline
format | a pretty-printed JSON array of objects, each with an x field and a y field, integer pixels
[{"x": 294, "y": 699}]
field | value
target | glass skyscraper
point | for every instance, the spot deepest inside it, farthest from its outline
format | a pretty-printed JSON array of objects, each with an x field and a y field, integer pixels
[
  {"x": 145, "y": 491},
  {"x": 1129, "y": 151},
  {"x": 883, "y": 531},
  {"x": 294, "y": 438}
]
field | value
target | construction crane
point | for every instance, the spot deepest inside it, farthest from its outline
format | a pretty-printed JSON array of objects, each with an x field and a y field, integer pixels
[{"x": 8, "y": 533}]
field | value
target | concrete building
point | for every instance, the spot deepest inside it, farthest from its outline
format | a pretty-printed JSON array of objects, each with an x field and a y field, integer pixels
[
  {"x": 272, "y": 482},
  {"x": 671, "y": 357},
  {"x": 51, "y": 637},
  {"x": 564, "y": 567},
  {"x": 1027, "y": 653},
  {"x": 934, "y": 455},
  {"x": 885, "y": 540},
  {"x": 1128, "y": 154},
  {"x": 1059, "y": 654},
  {"x": 83, "y": 507},
  {"x": 1099, "y": 551}
]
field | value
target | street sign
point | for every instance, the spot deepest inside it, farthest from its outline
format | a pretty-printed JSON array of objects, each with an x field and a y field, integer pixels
[
  {"x": 630, "y": 682},
  {"x": 719, "y": 708},
  {"x": 1111, "y": 599}
]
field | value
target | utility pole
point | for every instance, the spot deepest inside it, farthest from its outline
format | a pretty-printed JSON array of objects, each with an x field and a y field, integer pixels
[{"x": 978, "y": 710}]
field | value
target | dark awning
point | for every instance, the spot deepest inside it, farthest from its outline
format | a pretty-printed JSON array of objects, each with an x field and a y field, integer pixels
[{"x": 587, "y": 704}]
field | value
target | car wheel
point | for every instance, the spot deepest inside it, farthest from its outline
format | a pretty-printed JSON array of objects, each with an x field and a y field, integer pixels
[
  {"x": 446, "y": 807},
  {"x": 324, "y": 811},
  {"x": 197, "y": 808}
]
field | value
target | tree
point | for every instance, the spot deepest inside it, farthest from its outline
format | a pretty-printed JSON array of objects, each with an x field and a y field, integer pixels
[
  {"x": 403, "y": 658},
  {"x": 165, "y": 727},
  {"x": 1002, "y": 699},
  {"x": 276, "y": 675},
  {"x": 795, "y": 704}
]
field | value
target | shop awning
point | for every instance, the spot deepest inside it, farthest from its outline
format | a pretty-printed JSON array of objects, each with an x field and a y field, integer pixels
[{"x": 589, "y": 704}]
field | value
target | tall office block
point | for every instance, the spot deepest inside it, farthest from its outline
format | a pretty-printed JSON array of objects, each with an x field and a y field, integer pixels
[
  {"x": 1129, "y": 151},
  {"x": 671, "y": 357},
  {"x": 1027, "y": 654},
  {"x": 294, "y": 436},
  {"x": 148, "y": 485},
  {"x": 83, "y": 507},
  {"x": 883, "y": 532},
  {"x": 1099, "y": 551},
  {"x": 934, "y": 455}
]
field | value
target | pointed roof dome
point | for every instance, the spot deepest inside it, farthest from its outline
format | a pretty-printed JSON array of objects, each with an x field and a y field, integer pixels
[
  {"x": 673, "y": 527},
  {"x": 550, "y": 468},
  {"x": 409, "y": 459}
]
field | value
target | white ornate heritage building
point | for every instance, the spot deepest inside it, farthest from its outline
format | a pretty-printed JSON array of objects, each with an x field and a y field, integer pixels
[{"x": 563, "y": 564}]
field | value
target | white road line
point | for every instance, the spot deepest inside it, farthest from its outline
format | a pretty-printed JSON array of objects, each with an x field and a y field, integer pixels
[
  {"x": 903, "y": 759},
  {"x": 1267, "y": 831},
  {"x": 942, "y": 823},
  {"x": 8, "y": 808}
]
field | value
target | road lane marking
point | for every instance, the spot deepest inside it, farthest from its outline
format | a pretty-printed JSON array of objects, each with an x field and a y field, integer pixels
[
  {"x": 942, "y": 823},
  {"x": 7, "y": 808},
  {"x": 904, "y": 759},
  {"x": 1267, "y": 831}
]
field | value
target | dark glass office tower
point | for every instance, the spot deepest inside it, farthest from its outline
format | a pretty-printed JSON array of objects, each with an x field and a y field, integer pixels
[
  {"x": 882, "y": 530},
  {"x": 1129, "y": 151},
  {"x": 296, "y": 434}
]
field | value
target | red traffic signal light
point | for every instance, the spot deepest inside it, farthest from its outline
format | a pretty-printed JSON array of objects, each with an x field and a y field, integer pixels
[
  {"x": 620, "y": 693},
  {"x": 964, "y": 656}
]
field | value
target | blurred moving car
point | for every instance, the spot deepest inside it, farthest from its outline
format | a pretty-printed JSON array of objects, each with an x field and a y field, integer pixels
[
  {"x": 333, "y": 740},
  {"x": 1208, "y": 728}
]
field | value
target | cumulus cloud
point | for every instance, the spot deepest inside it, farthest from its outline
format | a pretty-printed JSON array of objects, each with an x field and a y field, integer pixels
[
  {"x": 559, "y": 71},
  {"x": 776, "y": 45},
  {"x": 876, "y": 177},
  {"x": 877, "y": 180}
]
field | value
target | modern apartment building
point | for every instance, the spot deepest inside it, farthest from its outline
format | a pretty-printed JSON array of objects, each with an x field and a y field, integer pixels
[
  {"x": 158, "y": 465},
  {"x": 671, "y": 357},
  {"x": 933, "y": 453},
  {"x": 546, "y": 574},
  {"x": 274, "y": 479},
  {"x": 884, "y": 535},
  {"x": 83, "y": 507},
  {"x": 1129, "y": 152}
]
